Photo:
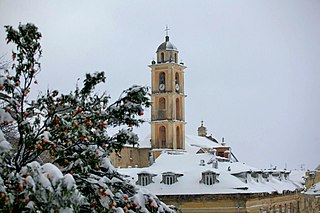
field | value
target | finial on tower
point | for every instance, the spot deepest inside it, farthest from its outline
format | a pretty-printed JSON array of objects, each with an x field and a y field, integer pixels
[
  {"x": 167, "y": 30},
  {"x": 167, "y": 33}
]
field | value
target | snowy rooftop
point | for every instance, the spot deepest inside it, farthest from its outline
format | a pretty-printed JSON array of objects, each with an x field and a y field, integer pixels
[
  {"x": 314, "y": 190},
  {"x": 193, "y": 143},
  {"x": 230, "y": 176}
]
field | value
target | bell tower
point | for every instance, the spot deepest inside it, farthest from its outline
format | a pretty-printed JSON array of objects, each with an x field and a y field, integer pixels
[{"x": 168, "y": 104}]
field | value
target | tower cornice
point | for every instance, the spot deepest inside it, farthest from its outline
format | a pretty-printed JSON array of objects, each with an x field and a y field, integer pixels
[{"x": 169, "y": 63}]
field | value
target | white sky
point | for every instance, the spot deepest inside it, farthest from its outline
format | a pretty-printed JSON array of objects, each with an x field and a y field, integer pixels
[{"x": 253, "y": 66}]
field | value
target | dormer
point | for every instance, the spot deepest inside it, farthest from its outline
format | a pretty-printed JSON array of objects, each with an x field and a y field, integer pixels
[
  {"x": 170, "y": 178},
  {"x": 243, "y": 176},
  {"x": 286, "y": 175},
  {"x": 256, "y": 176},
  {"x": 209, "y": 177},
  {"x": 277, "y": 175},
  {"x": 145, "y": 178},
  {"x": 265, "y": 176}
]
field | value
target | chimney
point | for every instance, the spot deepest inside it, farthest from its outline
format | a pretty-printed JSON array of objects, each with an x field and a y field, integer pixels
[{"x": 222, "y": 142}]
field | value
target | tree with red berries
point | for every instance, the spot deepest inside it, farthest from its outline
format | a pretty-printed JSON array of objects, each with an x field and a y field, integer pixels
[{"x": 70, "y": 129}]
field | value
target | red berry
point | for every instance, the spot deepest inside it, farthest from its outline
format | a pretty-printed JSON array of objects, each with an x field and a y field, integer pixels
[
  {"x": 25, "y": 181},
  {"x": 20, "y": 187},
  {"x": 1, "y": 87},
  {"x": 134, "y": 204},
  {"x": 39, "y": 147},
  {"x": 141, "y": 113},
  {"x": 27, "y": 200},
  {"x": 103, "y": 124},
  {"x": 79, "y": 109},
  {"x": 17, "y": 83}
]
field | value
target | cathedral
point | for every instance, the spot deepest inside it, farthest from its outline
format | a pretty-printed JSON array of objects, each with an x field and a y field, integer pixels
[{"x": 197, "y": 173}]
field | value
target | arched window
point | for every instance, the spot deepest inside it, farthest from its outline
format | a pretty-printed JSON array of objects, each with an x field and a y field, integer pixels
[
  {"x": 178, "y": 140},
  {"x": 162, "y": 81},
  {"x": 162, "y": 57},
  {"x": 177, "y": 82},
  {"x": 162, "y": 108},
  {"x": 162, "y": 137},
  {"x": 131, "y": 154},
  {"x": 176, "y": 58},
  {"x": 177, "y": 78},
  {"x": 162, "y": 103},
  {"x": 178, "y": 109}
]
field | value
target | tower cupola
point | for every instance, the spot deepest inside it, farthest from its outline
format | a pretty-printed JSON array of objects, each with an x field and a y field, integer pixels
[
  {"x": 202, "y": 130},
  {"x": 167, "y": 52}
]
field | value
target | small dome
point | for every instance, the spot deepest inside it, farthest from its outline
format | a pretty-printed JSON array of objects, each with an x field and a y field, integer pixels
[{"x": 167, "y": 45}]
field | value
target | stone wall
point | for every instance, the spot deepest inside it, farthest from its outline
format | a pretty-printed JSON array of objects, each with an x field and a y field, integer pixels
[
  {"x": 131, "y": 157},
  {"x": 313, "y": 177},
  {"x": 223, "y": 203}
]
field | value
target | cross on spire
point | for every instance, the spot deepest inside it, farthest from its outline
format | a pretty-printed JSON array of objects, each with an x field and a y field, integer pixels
[{"x": 167, "y": 30}]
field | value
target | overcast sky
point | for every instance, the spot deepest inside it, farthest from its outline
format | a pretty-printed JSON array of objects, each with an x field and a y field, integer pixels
[{"x": 253, "y": 66}]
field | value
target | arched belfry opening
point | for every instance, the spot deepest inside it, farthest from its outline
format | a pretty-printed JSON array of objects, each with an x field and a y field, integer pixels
[
  {"x": 177, "y": 78},
  {"x": 178, "y": 109},
  {"x": 162, "y": 137},
  {"x": 162, "y": 81},
  {"x": 178, "y": 138},
  {"x": 162, "y": 108}
]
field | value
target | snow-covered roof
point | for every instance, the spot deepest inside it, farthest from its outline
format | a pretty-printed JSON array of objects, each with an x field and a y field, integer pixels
[
  {"x": 232, "y": 177},
  {"x": 192, "y": 143},
  {"x": 314, "y": 190}
]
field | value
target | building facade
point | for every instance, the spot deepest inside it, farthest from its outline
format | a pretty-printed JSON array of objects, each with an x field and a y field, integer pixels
[{"x": 197, "y": 173}]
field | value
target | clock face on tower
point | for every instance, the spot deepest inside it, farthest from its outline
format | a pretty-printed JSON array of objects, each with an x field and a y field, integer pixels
[
  {"x": 177, "y": 87},
  {"x": 162, "y": 87}
]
